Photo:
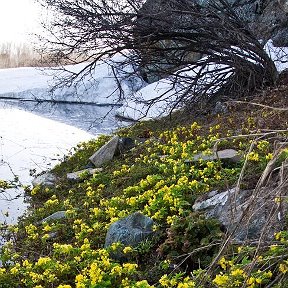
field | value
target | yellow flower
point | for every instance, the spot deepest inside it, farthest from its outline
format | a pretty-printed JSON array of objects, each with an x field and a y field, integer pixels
[
  {"x": 95, "y": 274},
  {"x": 283, "y": 268},
  {"x": 277, "y": 200},
  {"x": 238, "y": 272},
  {"x": 269, "y": 156},
  {"x": 251, "y": 281},
  {"x": 43, "y": 260},
  {"x": 278, "y": 235},
  {"x": 221, "y": 280},
  {"x": 222, "y": 262},
  {"x": 26, "y": 264},
  {"x": 164, "y": 281},
  {"x": 15, "y": 270},
  {"x": 129, "y": 267},
  {"x": 253, "y": 156},
  {"x": 127, "y": 249},
  {"x": 143, "y": 284},
  {"x": 36, "y": 277},
  {"x": 117, "y": 270},
  {"x": 80, "y": 281},
  {"x": 258, "y": 280},
  {"x": 187, "y": 283}
]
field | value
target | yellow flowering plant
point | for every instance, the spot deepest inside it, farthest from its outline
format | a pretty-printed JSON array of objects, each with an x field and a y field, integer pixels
[{"x": 161, "y": 180}]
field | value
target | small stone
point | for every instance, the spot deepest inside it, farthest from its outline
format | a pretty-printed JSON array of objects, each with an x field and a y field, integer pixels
[
  {"x": 212, "y": 200},
  {"x": 52, "y": 235},
  {"x": 55, "y": 216},
  {"x": 280, "y": 39},
  {"x": 125, "y": 144},
  {"x": 76, "y": 176},
  {"x": 130, "y": 230},
  {"x": 46, "y": 179},
  {"x": 226, "y": 154},
  {"x": 105, "y": 153},
  {"x": 220, "y": 108}
]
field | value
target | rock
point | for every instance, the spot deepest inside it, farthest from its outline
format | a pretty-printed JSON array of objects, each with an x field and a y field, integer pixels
[
  {"x": 229, "y": 155},
  {"x": 76, "y": 176},
  {"x": 220, "y": 108},
  {"x": 213, "y": 198},
  {"x": 235, "y": 211},
  {"x": 105, "y": 153},
  {"x": 130, "y": 230},
  {"x": 284, "y": 5},
  {"x": 280, "y": 39},
  {"x": 125, "y": 119},
  {"x": 125, "y": 144},
  {"x": 52, "y": 235},
  {"x": 46, "y": 179},
  {"x": 55, "y": 216}
]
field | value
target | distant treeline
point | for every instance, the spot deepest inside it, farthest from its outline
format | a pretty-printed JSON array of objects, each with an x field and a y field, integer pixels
[
  {"x": 14, "y": 55},
  {"x": 18, "y": 55}
]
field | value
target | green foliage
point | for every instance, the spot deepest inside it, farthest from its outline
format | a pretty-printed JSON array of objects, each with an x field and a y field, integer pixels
[
  {"x": 187, "y": 234},
  {"x": 153, "y": 178}
]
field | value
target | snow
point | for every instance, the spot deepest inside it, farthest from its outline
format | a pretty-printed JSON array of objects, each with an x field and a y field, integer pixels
[
  {"x": 278, "y": 54},
  {"x": 100, "y": 86},
  {"x": 28, "y": 141},
  {"x": 137, "y": 107}
]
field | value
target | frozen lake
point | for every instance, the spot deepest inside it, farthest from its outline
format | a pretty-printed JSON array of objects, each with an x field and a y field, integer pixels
[{"x": 36, "y": 136}]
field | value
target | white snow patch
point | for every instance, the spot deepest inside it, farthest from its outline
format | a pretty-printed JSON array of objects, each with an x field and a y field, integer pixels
[
  {"x": 278, "y": 54},
  {"x": 137, "y": 107}
]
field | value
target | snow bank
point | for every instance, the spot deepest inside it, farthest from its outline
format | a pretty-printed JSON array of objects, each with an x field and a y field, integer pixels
[
  {"x": 99, "y": 86},
  {"x": 137, "y": 108},
  {"x": 165, "y": 93}
]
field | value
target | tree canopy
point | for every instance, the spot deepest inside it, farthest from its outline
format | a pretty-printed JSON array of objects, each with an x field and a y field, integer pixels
[{"x": 205, "y": 51}]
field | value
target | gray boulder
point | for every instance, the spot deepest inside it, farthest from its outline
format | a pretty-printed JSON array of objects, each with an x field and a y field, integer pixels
[
  {"x": 284, "y": 5},
  {"x": 243, "y": 213},
  {"x": 46, "y": 179},
  {"x": 125, "y": 144},
  {"x": 280, "y": 39},
  {"x": 105, "y": 153},
  {"x": 130, "y": 230},
  {"x": 229, "y": 155},
  {"x": 55, "y": 216},
  {"x": 220, "y": 108}
]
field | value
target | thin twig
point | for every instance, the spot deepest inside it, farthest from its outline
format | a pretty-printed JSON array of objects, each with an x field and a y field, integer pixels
[{"x": 258, "y": 104}]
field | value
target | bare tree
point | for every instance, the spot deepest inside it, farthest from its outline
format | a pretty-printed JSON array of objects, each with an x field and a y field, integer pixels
[{"x": 205, "y": 50}]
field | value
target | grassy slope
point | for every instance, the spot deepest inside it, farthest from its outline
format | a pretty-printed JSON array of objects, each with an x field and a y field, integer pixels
[{"x": 163, "y": 188}]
